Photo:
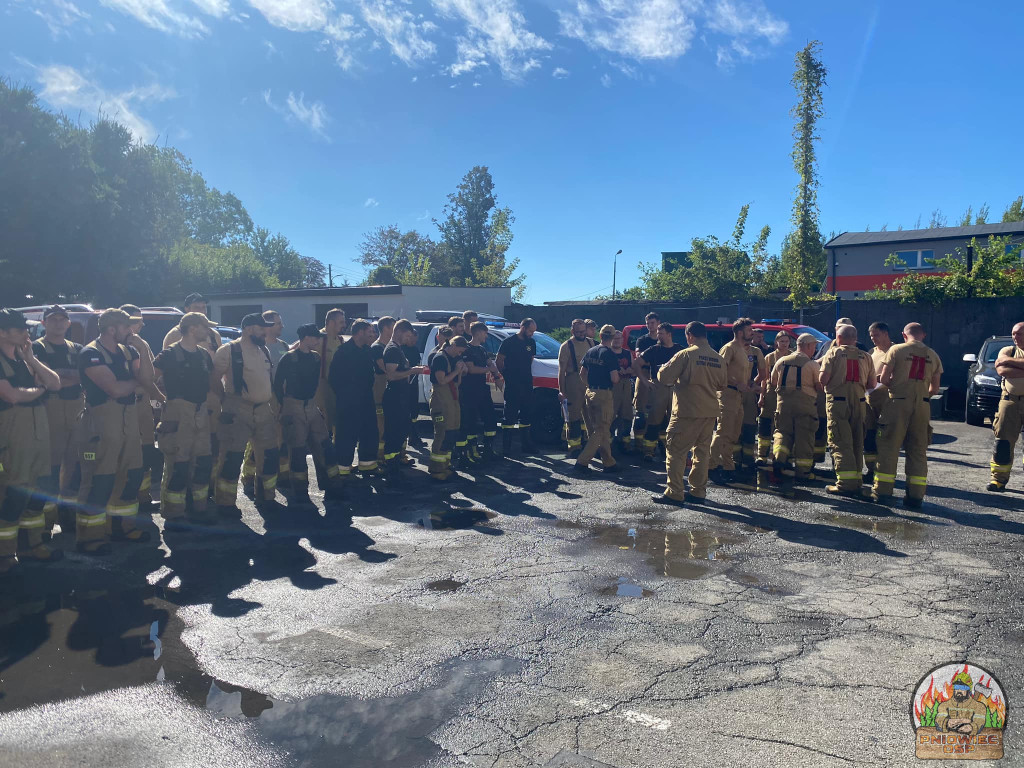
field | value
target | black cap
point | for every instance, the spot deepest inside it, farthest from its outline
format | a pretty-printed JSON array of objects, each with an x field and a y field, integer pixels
[
  {"x": 309, "y": 329},
  {"x": 192, "y": 298},
  {"x": 256, "y": 319},
  {"x": 11, "y": 319},
  {"x": 56, "y": 309}
]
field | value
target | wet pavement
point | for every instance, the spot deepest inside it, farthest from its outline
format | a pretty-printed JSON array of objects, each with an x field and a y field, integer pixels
[{"x": 521, "y": 618}]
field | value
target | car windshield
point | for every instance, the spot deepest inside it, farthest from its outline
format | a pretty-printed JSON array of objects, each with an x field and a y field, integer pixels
[
  {"x": 547, "y": 347},
  {"x": 813, "y": 331},
  {"x": 993, "y": 348}
]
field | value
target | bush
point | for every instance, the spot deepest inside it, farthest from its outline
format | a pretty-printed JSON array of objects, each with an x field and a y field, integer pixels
[{"x": 560, "y": 334}]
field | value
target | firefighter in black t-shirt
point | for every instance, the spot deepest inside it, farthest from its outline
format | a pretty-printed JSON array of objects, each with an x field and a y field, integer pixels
[
  {"x": 515, "y": 362},
  {"x": 659, "y": 399},
  {"x": 351, "y": 379},
  {"x": 640, "y": 390},
  {"x": 385, "y": 326},
  {"x": 413, "y": 356},
  {"x": 396, "y": 395},
  {"x": 475, "y": 404},
  {"x": 622, "y": 396}
]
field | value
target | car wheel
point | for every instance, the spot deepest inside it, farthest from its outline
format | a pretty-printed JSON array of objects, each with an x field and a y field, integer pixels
[
  {"x": 546, "y": 422},
  {"x": 975, "y": 418}
]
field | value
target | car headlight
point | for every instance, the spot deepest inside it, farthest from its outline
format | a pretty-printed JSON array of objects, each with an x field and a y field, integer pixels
[{"x": 983, "y": 380}]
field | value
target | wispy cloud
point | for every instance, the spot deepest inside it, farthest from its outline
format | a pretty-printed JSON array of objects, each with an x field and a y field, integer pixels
[
  {"x": 746, "y": 20},
  {"x": 559, "y": 74},
  {"x": 496, "y": 31},
  {"x": 59, "y": 15},
  {"x": 313, "y": 115},
  {"x": 638, "y": 29},
  {"x": 370, "y": 203},
  {"x": 606, "y": 80},
  {"x": 401, "y": 29},
  {"x": 162, "y": 15},
  {"x": 296, "y": 15},
  {"x": 68, "y": 89}
]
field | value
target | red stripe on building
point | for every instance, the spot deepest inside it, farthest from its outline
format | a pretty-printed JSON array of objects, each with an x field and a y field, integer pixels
[{"x": 868, "y": 282}]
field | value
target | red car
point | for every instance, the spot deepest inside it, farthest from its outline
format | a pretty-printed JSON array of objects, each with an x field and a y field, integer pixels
[{"x": 719, "y": 334}]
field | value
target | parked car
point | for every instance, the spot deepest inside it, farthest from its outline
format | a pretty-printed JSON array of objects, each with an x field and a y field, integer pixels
[
  {"x": 983, "y": 383},
  {"x": 719, "y": 334},
  {"x": 442, "y": 316},
  {"x": 545, "y": 410},
  {"x": 36, "y": 330},
  {"x": 228, "y": 333}
]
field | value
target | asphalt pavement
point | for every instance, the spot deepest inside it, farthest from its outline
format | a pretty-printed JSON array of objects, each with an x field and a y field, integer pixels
[{"x": 523, "y": 617}]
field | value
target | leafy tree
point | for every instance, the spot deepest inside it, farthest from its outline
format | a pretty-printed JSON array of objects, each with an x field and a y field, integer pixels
[
  {"x": 383, "y": 275},
  {"x": 1014, "y": 211},
  {"x": 804, "y": 259},
  {"x": 407, "y": 254}
]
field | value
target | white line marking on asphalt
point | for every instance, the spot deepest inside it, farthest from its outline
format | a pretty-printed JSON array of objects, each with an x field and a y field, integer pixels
[{"x": 647, "y": 721}]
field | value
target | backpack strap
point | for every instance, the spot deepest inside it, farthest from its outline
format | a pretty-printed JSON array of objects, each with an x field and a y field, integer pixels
[{"x": 572, "y": 351}]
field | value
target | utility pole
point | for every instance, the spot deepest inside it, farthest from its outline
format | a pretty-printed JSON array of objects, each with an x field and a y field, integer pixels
[
  {"x": 615, "y": 269},
  {"x": 330, "y": 276}
]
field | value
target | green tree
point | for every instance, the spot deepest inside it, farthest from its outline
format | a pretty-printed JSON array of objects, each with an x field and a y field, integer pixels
[
  {"x": 407, "y": 254},
  {"x": 383, "y": 275},
  {"x": 804, "y": 260},
  {"x": 1014, "y": 211}
]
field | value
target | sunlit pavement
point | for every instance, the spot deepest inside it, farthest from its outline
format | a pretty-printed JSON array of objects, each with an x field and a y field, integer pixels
[{"x": 522, "y": 618}]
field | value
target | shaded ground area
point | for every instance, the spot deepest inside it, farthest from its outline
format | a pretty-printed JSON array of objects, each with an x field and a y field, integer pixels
[{"x": 522, "y": 618}]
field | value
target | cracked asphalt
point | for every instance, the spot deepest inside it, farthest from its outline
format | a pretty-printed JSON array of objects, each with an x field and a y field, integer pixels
[{"x": 523, "y": 617}]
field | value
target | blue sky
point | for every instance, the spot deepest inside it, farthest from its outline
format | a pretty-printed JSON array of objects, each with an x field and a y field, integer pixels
[{"x": 607, "y": 124}]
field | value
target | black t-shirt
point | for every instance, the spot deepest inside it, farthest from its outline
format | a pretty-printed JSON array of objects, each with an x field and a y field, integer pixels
[
  {"x": 351, "y": 372},
  {"x": 297, "y": 375},
  {"x": 94, "y": 355},
  {"x": 393, "y": 355},
  {"x": 60, "y": 358},
  {"x": 625, "y": 359},
  {"x": 412, "y": 354},
  {"x": 600, "y": 361},
  {"x": 16, "y": 371},
  {"x": 658, "y": 355},
  {"x": 441, "y": 363},
  {"x": 519, "y": 353},
  {"x": 377, "y": 353},
  {"x": 475, "y": 355},
  {"x": 646, "y": 341},
  {"x": 186, "y": 374}
]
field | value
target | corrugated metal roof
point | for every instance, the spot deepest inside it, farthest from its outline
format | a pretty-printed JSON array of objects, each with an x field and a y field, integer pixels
[{"x": 936, "y": 233}]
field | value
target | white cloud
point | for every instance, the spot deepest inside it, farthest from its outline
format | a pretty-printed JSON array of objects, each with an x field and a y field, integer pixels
[
  {"x": 606, "y": 80},
  {"x": 217, "y": 8},
  {"x": 59, "y": 15},
  {"x": 746, "y": 20},
  {"x": 400, "y": 28},
  {"x": 271, "y": 48},
  {"x": 559, "y": 74},
  {"x": 314, "y": 115},
  {"x": 66, "y": 88},
  {"x": 638, "y": 29},
  {"x": 370, "y": 203},
  {"x": 296, "y": 15},
  {"x": 160, "y": 14},
  {"x": 495, "y": 31}
]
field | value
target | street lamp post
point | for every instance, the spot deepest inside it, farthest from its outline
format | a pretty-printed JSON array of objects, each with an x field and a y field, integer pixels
[{"x": 615, "y": 269}]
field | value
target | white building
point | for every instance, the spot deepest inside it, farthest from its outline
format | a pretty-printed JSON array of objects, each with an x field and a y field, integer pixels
[{"x": 309, "y": 305}]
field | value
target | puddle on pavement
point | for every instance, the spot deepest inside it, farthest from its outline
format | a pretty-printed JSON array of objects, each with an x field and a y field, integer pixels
[
  {"x": 445, "y": 585},
  {"x": 456, "y": 518},
  {"x": 63, "y": 646},
  {"x": 904, "y": 530},
  {"x": 625, "y": 588}
]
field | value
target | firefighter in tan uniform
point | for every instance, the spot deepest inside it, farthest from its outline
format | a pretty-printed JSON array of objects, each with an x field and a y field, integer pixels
[
  {"x": 277, "y": 349},
  {"x": 725, "y": 444},
  {"x": 24, "y": 444},
  {"x": 751, "y": 404},
  {"x": 246, "y": 414},
  {"x": 446, "y": 370},
  {"x": 659, "y": 397},
  {"x": 912, "y": 372},
  {"x": 795, "y": 378},
  {"x": 109, "y": 441},
  {"x": 641, "y": 390},
  {"x": 146, "y": 394},
  {"x": 770, "y": 400},
  {"x": 571, "y": 389},
  {"x": 697, "y": 374},
  {"x": 876, "y": 398},
  {"x": 385, "y": 329},
  {"x": 1010, "y": 417},
  {"x": 846, "y": 373},
  {"x": 63, "y": 408},
  {"x": 334, "y": 326},
  {"x": 600, "y": 374},
  {"x": 186, "y": 369},
  {"x": 622, "y": 397}
]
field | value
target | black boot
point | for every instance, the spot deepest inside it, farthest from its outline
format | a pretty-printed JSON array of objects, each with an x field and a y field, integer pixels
[
  {"x": 524, "y": 438},
  {"x": 506, "y": 441}
]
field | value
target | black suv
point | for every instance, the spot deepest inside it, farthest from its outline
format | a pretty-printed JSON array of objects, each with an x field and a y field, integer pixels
[{"x": 983, "y": 383}]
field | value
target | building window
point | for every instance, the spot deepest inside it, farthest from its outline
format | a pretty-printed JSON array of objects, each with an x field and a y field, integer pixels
[{"x": 915, "y": 259}]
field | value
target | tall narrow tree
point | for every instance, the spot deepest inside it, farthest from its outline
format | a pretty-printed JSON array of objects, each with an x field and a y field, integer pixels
[{"x": 803, "y": 258}]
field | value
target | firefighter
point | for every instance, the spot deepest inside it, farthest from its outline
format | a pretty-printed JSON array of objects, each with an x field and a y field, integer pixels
[
  {"x": 385, "y": 327},
  {"x": 351, "y": 378},
  {"x": 246, "y": 415},
  {"x": 622, "y": 396},
  {"x": 458, "y": 325},
  {"x": 697, "y": 375},
  {"x": 468, "y": 318},
  {"x": 186, "y": 369},
  {"x": 911, "y": 371},
  {"x": 759, "y": 342},
  {"x": 413, "y": 356},
  {"x": 400, "y": 379},
  {"x": 876, "y": 398},
  {"x": 659, "y": 399},
  {"x": 445, "y": 371},
  {"x": 591, "y": 332},
  {"x": 334, "y": 326},
  {"x": 24, "y": 444},
  {"x": 1010, "y": 417},
  {"x": 276, "y": 348},
  {"x": 571, "y": 390},
  {"x": 846, "y": 374},
  {"x": 444, "y": 333},
  {"x": 600, "y": 374},
  {"x": 195, "y": 302},
  {"x": 795, "y": 379},
  {"x": 770, "y": 400},
  {"x": 146, "y": 395},
  {"x": 302, "y": 422},
  {"x": 63, "y": 408},
  {"x": 725, "y": 444},
  {"x": 515, "y": 362},
  {"x": 475, "y": 403},
  {"x": 751, "y": 404},
  {"x": 109, "y": 441},
  {"x": 640, "y": 388}
]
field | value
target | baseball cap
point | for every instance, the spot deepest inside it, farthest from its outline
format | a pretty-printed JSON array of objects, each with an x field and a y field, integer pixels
[
  {"x": 843, "y": 321},
  {"x": 11, "y": 319},
  {"x": 806, "y": 338},
  {"x": 112, "y": 317},
  {"x": 255, "y": 319},
  {"x": 133, "y": 312},
  {"x": 56, "y": 309},
  {"x": 191, "y": 319},
  {"x": 309, "y": 329},
  {"x": 192, "y": 298}
]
